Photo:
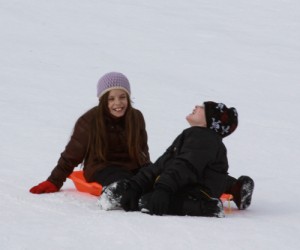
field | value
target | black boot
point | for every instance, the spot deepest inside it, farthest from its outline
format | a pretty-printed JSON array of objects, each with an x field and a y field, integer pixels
[
  {"x": 111, "y": 196},
  {"x": 242, "y": 192},
  {"x": 209, "y": 207}
]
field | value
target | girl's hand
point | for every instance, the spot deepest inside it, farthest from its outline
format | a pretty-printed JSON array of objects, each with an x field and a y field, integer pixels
[{"x": 44, "y": 187}]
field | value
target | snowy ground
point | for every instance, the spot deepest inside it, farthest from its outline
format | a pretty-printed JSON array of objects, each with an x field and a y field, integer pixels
[{"x": 176, "y": 54}]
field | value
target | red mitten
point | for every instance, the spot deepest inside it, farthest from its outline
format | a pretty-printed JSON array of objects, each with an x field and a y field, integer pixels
[{"x": 44, "y": 187}]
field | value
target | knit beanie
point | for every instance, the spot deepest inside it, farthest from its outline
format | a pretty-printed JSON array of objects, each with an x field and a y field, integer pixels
[
  {"x": 112, "y": 80},
  {"x": 220, "y": 119}
]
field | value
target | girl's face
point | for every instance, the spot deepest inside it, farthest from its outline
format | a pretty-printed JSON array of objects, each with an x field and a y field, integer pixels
[
  {"x": 197, "y": 117},
  {"x": 117, "y": 102}
]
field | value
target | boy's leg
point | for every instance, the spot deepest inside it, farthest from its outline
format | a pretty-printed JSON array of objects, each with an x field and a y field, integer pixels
[
  {"x": 184, "y": 204},
  {"x": 210, "y": 207},
  {"x": 230, "y": 182},
  {"x": 241, "y": 189},
  {"x": 242, "y": 192}
]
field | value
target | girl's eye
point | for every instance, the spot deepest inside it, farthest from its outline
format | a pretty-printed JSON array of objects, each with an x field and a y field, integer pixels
[{"x": 111, "y": 99}]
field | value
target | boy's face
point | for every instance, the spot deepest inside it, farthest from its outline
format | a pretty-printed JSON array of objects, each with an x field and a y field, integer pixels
[
  {"x": 197, "y": 117},
  {"x": 117, "y": 102}
]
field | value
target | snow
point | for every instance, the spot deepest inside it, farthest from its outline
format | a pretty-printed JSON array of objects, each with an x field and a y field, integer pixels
[{"x": 176, "y": 54}]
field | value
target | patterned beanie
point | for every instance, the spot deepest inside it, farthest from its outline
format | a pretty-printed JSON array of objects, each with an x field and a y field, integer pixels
[
  {"x": 220, "y": 119},
  {"x": 112, "y": 80}
]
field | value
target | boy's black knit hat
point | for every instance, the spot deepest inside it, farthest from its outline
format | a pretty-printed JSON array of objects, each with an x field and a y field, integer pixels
[{"x": 220, "y": 119}]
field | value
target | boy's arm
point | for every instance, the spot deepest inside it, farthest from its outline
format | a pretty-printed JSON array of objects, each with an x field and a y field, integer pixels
[{"x": 199, "y": 149}]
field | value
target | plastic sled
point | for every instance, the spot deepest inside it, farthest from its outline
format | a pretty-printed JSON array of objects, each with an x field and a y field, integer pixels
[
  {"x": 81, "y": 185},
  {"x": 95, "y": 188},
  {"x": 226, "y": 197}
]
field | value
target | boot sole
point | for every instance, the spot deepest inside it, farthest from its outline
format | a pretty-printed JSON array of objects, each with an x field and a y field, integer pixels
[{"x": 247, "y": 189}]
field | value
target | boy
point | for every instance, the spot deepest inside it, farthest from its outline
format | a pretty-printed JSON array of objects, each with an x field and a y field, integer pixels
[{"x": 191, "y": 175}]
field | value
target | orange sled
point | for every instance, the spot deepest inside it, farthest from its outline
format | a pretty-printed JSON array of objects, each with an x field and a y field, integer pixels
[
  {"x": 226, "y": 197},
  {"x": 81, "y": 185},
  {"x": 95, "y": 188}
]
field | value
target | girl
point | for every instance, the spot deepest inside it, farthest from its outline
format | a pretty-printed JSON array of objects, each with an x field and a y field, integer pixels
[{"x": 109, "y": 139}]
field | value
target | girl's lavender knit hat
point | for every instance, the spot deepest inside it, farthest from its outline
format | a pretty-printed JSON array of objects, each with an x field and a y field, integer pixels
[{"x": 112, "y": 80}]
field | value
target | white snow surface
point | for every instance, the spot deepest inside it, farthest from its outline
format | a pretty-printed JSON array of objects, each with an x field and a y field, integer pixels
[{"x": 176, "y": 54}]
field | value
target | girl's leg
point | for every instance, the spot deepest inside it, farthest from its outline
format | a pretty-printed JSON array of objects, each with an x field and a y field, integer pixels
[{"x": 111, "y": 174}]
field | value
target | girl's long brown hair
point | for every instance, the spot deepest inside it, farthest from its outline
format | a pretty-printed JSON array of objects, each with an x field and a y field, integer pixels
[{"x": 98, "y": 136}]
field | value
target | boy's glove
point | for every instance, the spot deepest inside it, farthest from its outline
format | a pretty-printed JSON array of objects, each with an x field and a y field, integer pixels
[
  {"x": 159, "y": 202},
  {"x": 44, "y": 187},
  {"x": 130, "y": 198}
]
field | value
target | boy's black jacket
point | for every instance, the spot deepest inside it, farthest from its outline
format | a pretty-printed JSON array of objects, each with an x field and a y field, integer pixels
[{"x": 196, "y": 159}]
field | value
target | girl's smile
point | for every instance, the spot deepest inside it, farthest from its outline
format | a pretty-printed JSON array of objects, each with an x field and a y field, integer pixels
[{"x": 117, "y": 102}]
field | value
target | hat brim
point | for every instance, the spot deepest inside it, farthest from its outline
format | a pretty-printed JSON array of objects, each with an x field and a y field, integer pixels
[{"x": 111, "y": 88}]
